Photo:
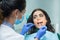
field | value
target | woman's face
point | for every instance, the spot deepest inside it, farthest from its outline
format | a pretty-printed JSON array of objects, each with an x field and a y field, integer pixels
[{"x": 39, "y": 19}]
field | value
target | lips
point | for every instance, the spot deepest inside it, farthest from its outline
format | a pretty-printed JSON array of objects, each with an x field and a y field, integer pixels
[{"x": 40, "y": 23}]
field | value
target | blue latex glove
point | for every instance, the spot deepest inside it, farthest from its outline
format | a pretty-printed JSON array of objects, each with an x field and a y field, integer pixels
[
  {"x": 26, "y": 27},
  {"x": 41, "y": 32}
]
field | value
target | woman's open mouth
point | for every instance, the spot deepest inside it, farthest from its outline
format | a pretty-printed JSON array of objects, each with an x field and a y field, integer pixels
[{"x": 39, "y": 23}]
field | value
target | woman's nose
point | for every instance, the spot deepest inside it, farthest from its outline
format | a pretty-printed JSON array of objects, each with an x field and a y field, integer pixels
[{"x": 38, "y": 18}]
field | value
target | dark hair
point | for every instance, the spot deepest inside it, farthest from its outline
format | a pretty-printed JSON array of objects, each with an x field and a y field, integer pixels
[
  {"x": 9, "y": 5},
  {"x": 0, "y": 0},
  {"x": 48, "y": 24}
]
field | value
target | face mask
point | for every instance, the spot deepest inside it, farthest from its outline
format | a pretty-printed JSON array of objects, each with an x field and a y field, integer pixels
[{"x": 17, "y": 21}]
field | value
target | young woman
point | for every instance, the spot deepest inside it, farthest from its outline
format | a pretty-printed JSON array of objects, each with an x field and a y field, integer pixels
[{"x": 40, "y": 18}]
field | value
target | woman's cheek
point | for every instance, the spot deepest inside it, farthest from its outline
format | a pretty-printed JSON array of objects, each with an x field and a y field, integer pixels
[{"x": 44, "y": 23}]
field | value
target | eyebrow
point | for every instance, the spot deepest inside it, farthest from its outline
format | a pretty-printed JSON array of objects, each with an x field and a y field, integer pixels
[
  {"x": 40, "y": 14},
  {"x": 34, "y": 15}
]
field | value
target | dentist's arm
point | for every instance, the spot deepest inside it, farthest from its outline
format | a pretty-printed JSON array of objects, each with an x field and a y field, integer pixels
[
  {"x": 26, "y": 27},
  {"x": 40, "y": 32}
]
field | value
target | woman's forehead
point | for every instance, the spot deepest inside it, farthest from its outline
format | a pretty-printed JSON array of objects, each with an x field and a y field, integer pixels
[{"x": 37, "y": 12}]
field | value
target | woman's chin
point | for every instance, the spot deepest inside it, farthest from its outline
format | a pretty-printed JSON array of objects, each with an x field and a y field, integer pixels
[{"x": 38, "y": 26}]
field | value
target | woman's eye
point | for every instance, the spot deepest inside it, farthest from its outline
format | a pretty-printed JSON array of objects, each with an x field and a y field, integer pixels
[
  {"x": 40, "y": 15},
  {"x": 34, "y": 17}
]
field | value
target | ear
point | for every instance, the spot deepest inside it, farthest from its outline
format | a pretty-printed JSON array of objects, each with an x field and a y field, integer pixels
[{"x": 15, "y": 12}]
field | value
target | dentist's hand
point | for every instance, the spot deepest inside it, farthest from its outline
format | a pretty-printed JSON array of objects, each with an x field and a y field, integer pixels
[
  {"x": 41, "y": 32},
  {"x": 26, "y": 27}
]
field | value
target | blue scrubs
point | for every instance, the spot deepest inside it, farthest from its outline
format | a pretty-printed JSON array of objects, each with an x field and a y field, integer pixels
[
  {"x": 8, "y": 24},
  {"x": 48, "y": 36}
]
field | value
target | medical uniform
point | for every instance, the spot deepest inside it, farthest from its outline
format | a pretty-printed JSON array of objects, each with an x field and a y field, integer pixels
[
  {"x": 48, "y": 36},
  {"x": 7, "y": 32}
]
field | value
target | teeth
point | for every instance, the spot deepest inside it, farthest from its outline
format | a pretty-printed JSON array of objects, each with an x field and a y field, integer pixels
[{"x": 40, "y": 23}]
